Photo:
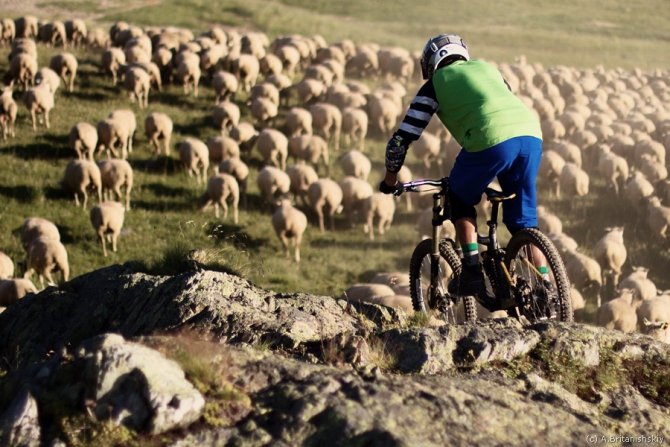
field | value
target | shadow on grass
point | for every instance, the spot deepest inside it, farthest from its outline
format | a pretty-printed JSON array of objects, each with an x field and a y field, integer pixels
[
  {"x": 225, "y": 232},
  {"x": 159, "y": 165},
  {"x": 162, "y": 206},
  {"x": 42, "y": 151},
  {"x": 197, "y": 128},
  {"x": 21, "y": 193},
  {"x": 161, "y": 190},
  {"x": 91, "y": 96}
]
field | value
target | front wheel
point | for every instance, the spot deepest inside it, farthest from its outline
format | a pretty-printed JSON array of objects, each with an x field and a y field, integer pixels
[
  {"x": 540, "y": 295},
  {"x": 427, "y": 298}
]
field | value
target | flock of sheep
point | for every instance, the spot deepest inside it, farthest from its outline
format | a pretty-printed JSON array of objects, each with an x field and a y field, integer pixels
[{"x": 307, "y": 98}]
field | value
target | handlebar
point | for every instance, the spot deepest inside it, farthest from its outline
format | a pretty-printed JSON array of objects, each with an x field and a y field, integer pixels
[{"x": 413, "y": 186}]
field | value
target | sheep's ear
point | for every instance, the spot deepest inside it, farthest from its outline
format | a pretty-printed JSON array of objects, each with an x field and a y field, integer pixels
[
  {"x": 664, "y": 326},
  {"x": 646, "y": 322}
]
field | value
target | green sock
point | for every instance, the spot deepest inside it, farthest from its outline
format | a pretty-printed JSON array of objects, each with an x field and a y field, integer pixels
[
  {"x": 544, "y": 271},
  {"x": 470, "y": 254}
]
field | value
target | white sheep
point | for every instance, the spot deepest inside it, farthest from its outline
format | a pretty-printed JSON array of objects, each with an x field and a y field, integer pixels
[
  {"x": 310, "y": 91},
  {"x": 658, "y": 218},
  {"x": 398, "y": 281},
  {"x": 659, "y": 330},
  {"x": 246, "y": 68},
  {"x": 355, "y": 164},
  {"x": 127, "y": 118},
  {"x": 327, "y": 121},
  {"x": 309, "y": 148},
  {"x": 381, "y": 206},
  {"x": 158, "y": 126},
  {"x": 107, "y": 220},
  {"x": 264, "y": 90},
  {"x": 302, "y": 176},
  {"x": 44, "y": 256},
  {"x": 8, "y": 110},
  {"x": 325, "y": 193},
  {"x": 618, "y": 313},
  {"x": 226, "y": 115},
  {"x": 289, "y": 222},
  {"x": 614, "y": 169},
  {"x": 188, "y": 72},
  {"x": 114, "y": 174},
  {"x": 273, "y": 183},
  {"x": 12, "y": 290},
  {"x": 644, "y": 287},
  {"x": 46, "y": 74},
  {"x": 610, "y": 252},
  {"x": 273, "y": 147},
  {"x": 138, "y": 83},
  {"x": 383, "y": 112},
  {"x": 283, "y": 84},
  {"x": 76, "y": 31},
  {"x": 81, "y": 175},
  {"x": 83, "y": 140},
  {"x": 367, "y": 292},
  {"x": 34, "y": 227},
  {"x": 573, "y": 182},
  {"x": 221, "y": 188},
  {"x": 551, "y": 165},
  {"x": 97, "y": 38},
  {"x": 39, "y": 99},
  {"x": 583, "y": 271},
  {"x": 298, "y": 122},
  {"x": 221, "y": 148},
  {"x": 636, "y": 189},
  {"x": 194, "y": 157},
  {"x": 424, "y": 226},
  {"x": 238, "y": 169},
  {"x": 263, "y": 111},
  {"x": 225, "y": 85},
  {"x": 354, "y": 193},
  {"x": 6, "y": 266},
  {"x": 246, "y": 135},
  {"x": 354, "y": 126},
  {"x": 548, "y": 222},
  {"x": 112, "y": 59},
  {"x": 51, "y": 32},
  {"x": 65, "y": 65},
  {"x": 113, "y": 133}
]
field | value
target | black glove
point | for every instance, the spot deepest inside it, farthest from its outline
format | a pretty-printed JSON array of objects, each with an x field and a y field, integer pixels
[{"x": 396, "y": 189}]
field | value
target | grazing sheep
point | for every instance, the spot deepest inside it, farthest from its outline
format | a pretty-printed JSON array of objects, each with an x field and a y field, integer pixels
[
  {"x": 97, "y": 38},
  {"x": 39, "y": 99},
  {"x": 325, "y": 193},
  {"x": 327, "y": 121},
  {"x": 46, "y": 255},
  {"x": 46, "y": 74},
  {"x": 194, "y": 157},
  {"x": 127, "y": 118},
  {"x": 246, "y": 68},
  {"x": 310, "y": 91},
  {"x": 618, "y": 313},
  {"x": 652, "y": 169},
  {"x": 578, "y": 304},
  {"x": 548, "y": 222},
  {"x": 221, "y": 188},
  {"x": 636, "y": 189},
  {"x": 158, "y": 126},
  {"x": 238, "y": 169},
  {"x": 12, "y": 290},
  {"x": 107, "y": 220},
  {"x": 283, "y": 84},
  {"x": 644, "y": 288},
  {"x": 221, "y": 148},
  {"x": 81, "y": 175},
  {"x": 309, "y": 148},
  {"x": 52, "y": 32},
  {"x": 65, "y": 65},
  {"x": 112, "y": 60},
  {"x": 264, "y": 90},
  {"x": 8, "y": 110},
  {"x": 398, "y": 281},
  {"x": 354, "y": 126},
  {"x": 84, "y": 139},
  {"x": 367, "y": 292},
  {"x": 383, "y": 113},
  {"x": 273, "y": 183},
  {"x": 290, "y": 57},
  {"x": 551, "y": 166},
  {"x": 7, "y": 31},
  {"x": 378, "y": 205},
  {"x": 138, "y": 83},
  {"x": 355, "y": 164},
  {"x": 573, "y": 182},
  {"x": 188, "y": 73},
  {"x": 658, "y": 218},
  {"x": 26, "y": 26},
  {"x": 225, "y": 85},
  {"x": 354, "y": 193},
  {"x": 302, "y": 176},
  {"x": 76, "y": 31},
  {"x": 226, "y": 116},
  {"x": 563, "y": 242},
  {"x": 614, "y": 169},
  {"x": 273, "y": 147},
  {"x": 424, "y": 226},
  {"x": 113, "y": 133},
  {"x": 659, "y": 330},
  {"x": 289, "y": 223},
  {"x": 656, "y": 309},
  {"x": 610, "y": 253},
  {"x": 6, "y": 266},
  {"x": 116, "y": 173},
  {"x": 427, "y": 150},
  {"x": 298, "y": 122},
  {"x": 246, "y": 135},
  {"x": 34, "y": 227},
  {"x": 263, "y": 111},
  {"x": 584, "y": 272}
]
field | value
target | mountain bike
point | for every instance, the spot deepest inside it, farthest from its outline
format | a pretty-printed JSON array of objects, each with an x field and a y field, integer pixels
[{"x": 515, "y": 274}]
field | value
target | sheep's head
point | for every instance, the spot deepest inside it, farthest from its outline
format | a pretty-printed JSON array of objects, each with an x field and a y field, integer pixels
[{"x": 658, "y": 330}]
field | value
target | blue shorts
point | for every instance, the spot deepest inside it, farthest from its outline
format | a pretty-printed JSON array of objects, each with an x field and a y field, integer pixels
[{"x": 515, "y": 162}]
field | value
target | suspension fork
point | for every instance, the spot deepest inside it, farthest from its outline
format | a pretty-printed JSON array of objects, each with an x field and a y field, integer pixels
[{"x": 435, "y": 246}]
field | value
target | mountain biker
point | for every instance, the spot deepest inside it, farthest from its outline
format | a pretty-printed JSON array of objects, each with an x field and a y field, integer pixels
[{"x": 500, "y": 137}]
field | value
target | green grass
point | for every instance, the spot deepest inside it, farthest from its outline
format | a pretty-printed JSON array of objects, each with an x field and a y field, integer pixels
[{"x": 163, "y": 215}]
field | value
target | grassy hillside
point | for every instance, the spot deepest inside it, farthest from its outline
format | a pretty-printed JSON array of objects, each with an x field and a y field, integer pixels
[{"x": 163, "y": 201}]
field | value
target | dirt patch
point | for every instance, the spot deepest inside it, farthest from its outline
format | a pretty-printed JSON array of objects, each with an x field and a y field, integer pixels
[{"x": 601, "y": 24}]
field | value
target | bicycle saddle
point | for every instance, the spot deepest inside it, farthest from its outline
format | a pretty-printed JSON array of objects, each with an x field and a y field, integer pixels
[{"x": 493, "y": 195}]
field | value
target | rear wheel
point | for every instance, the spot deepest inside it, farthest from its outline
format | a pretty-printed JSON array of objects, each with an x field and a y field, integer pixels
[
  {"x": 539, "y": 296},
  {"x": 426, "y": 298}
]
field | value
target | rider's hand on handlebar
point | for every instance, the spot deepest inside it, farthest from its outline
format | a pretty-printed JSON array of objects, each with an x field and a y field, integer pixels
[{"x": 388, "y": 189}]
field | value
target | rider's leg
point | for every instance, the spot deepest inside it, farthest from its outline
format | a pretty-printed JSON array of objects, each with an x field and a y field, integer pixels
[{"x": 466, "y": 232}]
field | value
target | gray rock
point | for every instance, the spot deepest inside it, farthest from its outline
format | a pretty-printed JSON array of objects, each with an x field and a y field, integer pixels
[
  {"x": 19, "y": 426},
  {"x": 137, "y": 386}
]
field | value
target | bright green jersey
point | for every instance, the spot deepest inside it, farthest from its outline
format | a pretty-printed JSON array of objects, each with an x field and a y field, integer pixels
[{"x": 478, "y": 108}]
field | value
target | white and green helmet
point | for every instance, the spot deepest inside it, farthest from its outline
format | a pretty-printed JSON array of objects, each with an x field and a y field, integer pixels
[{"x": 439, "y": 48}]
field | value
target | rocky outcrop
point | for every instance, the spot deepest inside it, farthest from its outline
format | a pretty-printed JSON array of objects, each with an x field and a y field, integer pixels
[
  {"x": 309, "y": 370},
  {"x": 19, "y": 426}
]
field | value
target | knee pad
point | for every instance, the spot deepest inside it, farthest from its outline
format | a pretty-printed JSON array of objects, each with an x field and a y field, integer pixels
[{"x": 459, "y": 208}]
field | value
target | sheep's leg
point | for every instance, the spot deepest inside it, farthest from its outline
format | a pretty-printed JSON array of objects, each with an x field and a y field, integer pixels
[
  {"x": 76, "y": 198},
  {"x": 47, "y": 275},
  {"x": 216, "y": 210},
  {"x": 224, "y": 205},
  {"x": 85, "y": 199},
  {"x": 319, "y": 212},
  {"x": 102, "y": 240},
  {"x": 115, "y": 235},
  {"x": 296, "y": 241},
  {"x": 284, "y": 241},
  {"x": 127, "y": 198},
  {"x": 32, "y": 113},
  {"x": 236, "y": 203}
]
